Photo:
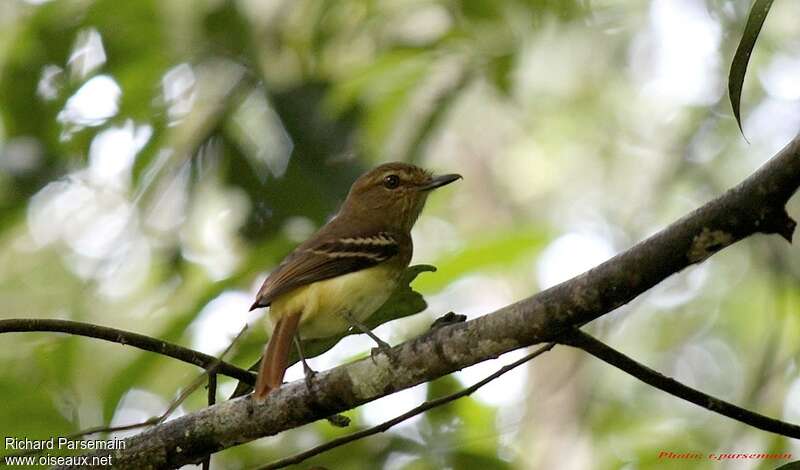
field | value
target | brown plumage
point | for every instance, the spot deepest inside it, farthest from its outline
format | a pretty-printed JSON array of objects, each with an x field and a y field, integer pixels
[{"x": 350, "y": 266}]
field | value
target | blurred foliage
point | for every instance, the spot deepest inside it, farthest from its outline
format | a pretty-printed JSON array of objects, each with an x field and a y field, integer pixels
[
  {"x": 157, "y": 158},
  {"x": 755, "y": 21}
]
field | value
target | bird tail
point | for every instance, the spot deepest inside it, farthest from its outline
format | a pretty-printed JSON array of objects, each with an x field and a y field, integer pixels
[{"x": 276, "y": 356}]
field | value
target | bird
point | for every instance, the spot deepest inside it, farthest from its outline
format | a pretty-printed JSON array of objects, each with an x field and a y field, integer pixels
[{"x": 344, "y": 272}]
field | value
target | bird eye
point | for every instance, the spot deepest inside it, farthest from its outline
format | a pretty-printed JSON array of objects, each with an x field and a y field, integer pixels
[{"x": 391, "y": 181}]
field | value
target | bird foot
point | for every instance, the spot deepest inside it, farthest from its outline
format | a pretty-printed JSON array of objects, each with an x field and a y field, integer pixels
[
  {"x": 310, "y": 374},
  {"x": 383, "y": 348}
]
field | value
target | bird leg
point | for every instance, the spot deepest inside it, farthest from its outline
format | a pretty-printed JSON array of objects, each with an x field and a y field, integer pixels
[
  {"x": 307, "y": 370},
  {"x": 340, "y": 421},
  {"x": 383, "y": 346}
]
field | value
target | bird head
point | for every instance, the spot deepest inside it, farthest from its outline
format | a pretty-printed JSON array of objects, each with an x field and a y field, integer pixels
[{"x": 393, "y": 194}]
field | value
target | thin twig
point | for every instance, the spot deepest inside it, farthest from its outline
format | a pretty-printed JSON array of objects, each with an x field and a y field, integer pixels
[
  {"x": 649, "y": 376},
  {"x": 114, "y": 335},
  {"x": 302, "y": 456},
  {"x": 211, "y": 372},
  {"x": 212, "y": 398},
  {"x": 196, "y": 383}
]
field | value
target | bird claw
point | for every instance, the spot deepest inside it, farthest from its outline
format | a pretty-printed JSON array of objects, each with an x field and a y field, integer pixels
[
  {"x": 310, "y": 374},
  {"x": 384, "y": 348}
]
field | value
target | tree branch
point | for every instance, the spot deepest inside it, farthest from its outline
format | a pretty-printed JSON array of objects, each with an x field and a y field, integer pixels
[
  {"x": 212, "y": 398},
  {"x": 384, "y": 426},
  {"x": 611, "y": 356},
  {"x": 211, "y": 372},
  {"x": 147, "y": 343},
  {"x": 757, "y": 205},
  {"x": 600, "y": 350}
]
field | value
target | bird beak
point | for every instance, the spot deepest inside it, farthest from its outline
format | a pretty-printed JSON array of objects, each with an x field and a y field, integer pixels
[{"x": 439, "y": 181}]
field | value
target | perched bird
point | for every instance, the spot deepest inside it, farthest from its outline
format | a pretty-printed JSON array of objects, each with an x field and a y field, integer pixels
[{"x": 348, "y": 269}]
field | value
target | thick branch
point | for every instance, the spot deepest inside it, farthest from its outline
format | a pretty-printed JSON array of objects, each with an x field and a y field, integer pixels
[
  {"x": 605, "y": 353},
  {"x": 757, "y": 205},
  {"x": 147, "y": 343},
  {"x": 384, "y": 426},
  {"x": 651, "y": 377}
]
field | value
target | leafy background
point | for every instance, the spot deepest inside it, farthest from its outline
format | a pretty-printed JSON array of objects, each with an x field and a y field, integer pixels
[{"x": 158, "y": 158}]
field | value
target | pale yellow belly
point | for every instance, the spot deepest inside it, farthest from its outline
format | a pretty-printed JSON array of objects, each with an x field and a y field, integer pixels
[{"x": 323, "y": 303}]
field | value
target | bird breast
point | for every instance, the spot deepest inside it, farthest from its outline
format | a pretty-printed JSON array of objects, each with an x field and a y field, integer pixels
[{"x": 323, "y": 303}]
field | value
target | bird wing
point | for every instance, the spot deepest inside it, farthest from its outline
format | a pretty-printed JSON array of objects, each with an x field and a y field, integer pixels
[{"x": 326, "y": 258}]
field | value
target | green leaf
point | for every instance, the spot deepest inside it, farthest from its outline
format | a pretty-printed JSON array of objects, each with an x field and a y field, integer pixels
[
  {"x": 443, "y": 416},
  {"x": 500, "y": 70},
  {"x": 481, "y": 10},
  {"x": 790, "y": 466},
  {"x": 466, "y": 425},
  {"x": 496, "y": 250},
  {"x": 367, "y": 84},
  {"x": 28, "y": 410},
  {"x": 404, "y": 301},
  {"x": 434, "y": 118},
  {"x": 755, "y": 21},
  {"x": 383, "y": 91},
  {"x": 484, "y": 461}
]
